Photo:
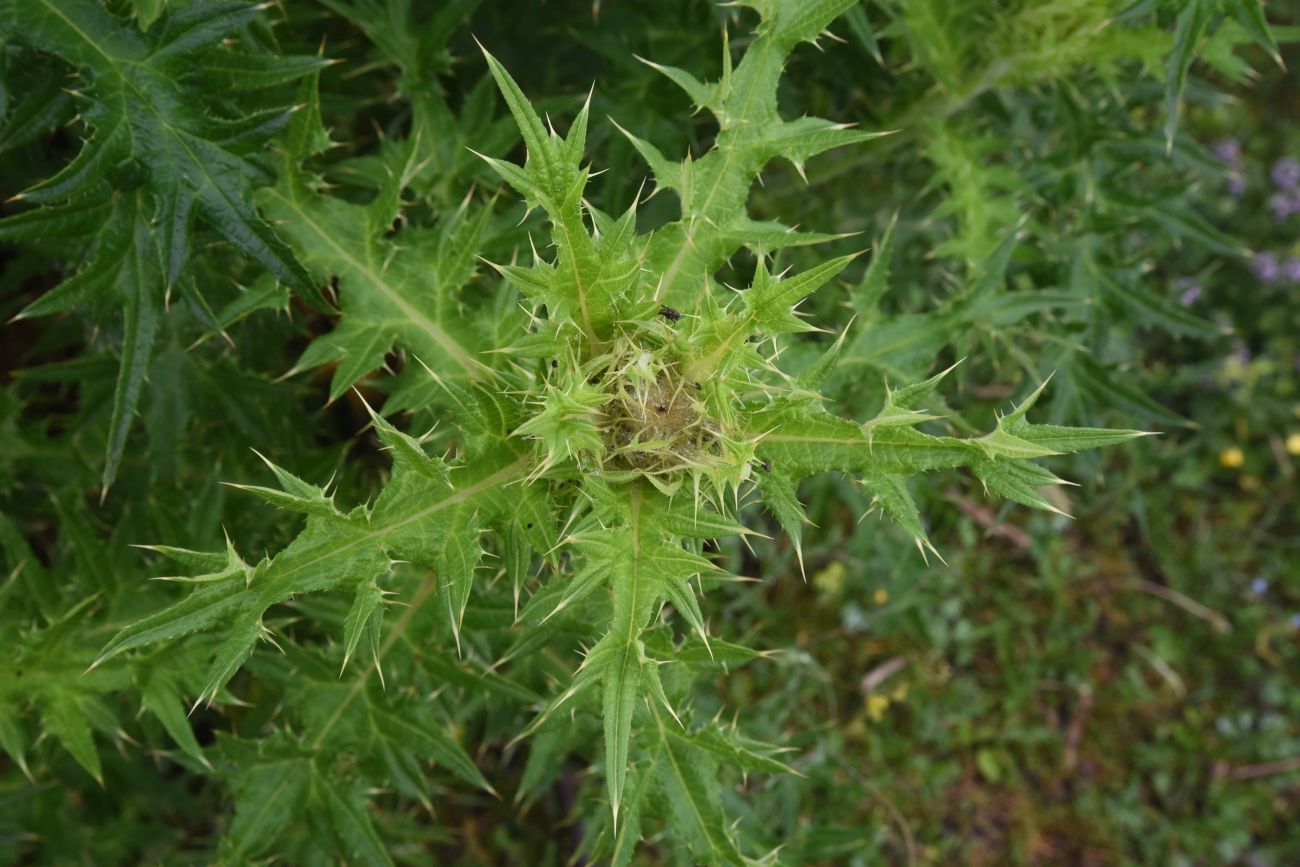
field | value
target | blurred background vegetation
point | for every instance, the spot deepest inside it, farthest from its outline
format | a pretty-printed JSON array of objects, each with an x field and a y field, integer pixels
[{"x": 1122, "y": 686}]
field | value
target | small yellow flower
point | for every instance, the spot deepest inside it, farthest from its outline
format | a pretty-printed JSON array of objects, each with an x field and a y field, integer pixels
[
  {"x": 1232, "y": 458},
  {"x": 881, "y": 596},
  {"x": 1293, "y": 444},
  {"x": 876, "y": 706}
]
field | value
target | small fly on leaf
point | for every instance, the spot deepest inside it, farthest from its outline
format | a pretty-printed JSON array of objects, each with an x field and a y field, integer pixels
[{"x": 670, "y": 314}]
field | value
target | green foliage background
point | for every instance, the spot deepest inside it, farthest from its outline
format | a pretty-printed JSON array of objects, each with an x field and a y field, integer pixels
[{"x": 333, "y": 260}]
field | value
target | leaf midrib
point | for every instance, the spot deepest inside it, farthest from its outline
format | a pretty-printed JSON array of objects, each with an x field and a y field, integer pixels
[
  {"x": 726, "y": 152},
  {"x": 472, "y": 366}
]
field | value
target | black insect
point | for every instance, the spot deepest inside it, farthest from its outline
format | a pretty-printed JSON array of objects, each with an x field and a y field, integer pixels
[{"x": 670, "y": 314}]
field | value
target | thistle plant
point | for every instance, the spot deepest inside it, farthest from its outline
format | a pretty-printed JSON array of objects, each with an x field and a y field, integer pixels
[
  {"x": 578, "y": 410},
  {"x": 634, "y": 415}
]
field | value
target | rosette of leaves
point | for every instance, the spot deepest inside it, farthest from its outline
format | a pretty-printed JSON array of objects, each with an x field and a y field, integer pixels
[{"x": 631, "y": 412}]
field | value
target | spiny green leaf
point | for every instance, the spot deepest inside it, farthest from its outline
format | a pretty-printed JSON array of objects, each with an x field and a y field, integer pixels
[
  {"x": 65, "y": 718},
  {"x": 142, "y": 113},
  {"x": 305, "y": 136},
  {"x": 388, "y": 294},
  {"x": 714, "y": 188},
  {"x": 622, "y": 683},
  {"x": 542, "y": 156},
  {"x": 413, "y": 519},
  {"x": 434, "y": 743},
  {"x": 1149, "y": 308},
  {"x": 890, "y": 493},
  {"x": 737, "y": 750},
  {"x": 1250, "y": 15},
  {"x": 294, "y": 494},
  {"x": 780, "y": 495},
  {"x": 161, "y": 698},
  {"x": 769, "y": 300},
  {"x": 1016, "y": 480},
  {"x": 268, "y": 795},
  {"x": 856, "y": 18},
  {"x": 876, "y": 278},
  {"x": 231, "y": 655},
  {"x": 240, "y": 70},
  {"x": 686, "y": 780},
  {"x": 364, "y": 618},
  {"x": 12, "y": 739},
  {"x": 350, "y": 818},
  {"x": 1191, "y": 25},
  {"x": 457, "y": 561},
  {"x": 210, "y": 560}
]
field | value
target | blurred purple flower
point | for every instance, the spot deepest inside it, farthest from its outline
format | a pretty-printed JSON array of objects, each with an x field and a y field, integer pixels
[
  {"x": 1295, "y": 621},
  {"x": 1259, "y": 586},
  {"x": 1190, "y": 295},
  {"x": 1228, "y": 150},
  {"x": 1291, "y": 270},
  {"x": 1286, "y": 173},
  {"x": 1244, "y": 356},
  {"x": 1283, "y": 205},
  {"x": 1265, "y": 266}
]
